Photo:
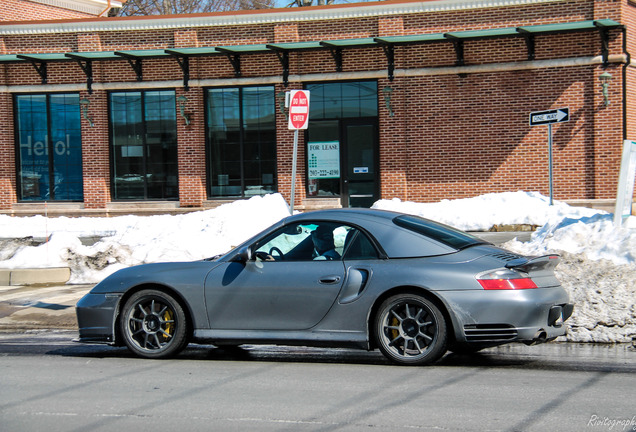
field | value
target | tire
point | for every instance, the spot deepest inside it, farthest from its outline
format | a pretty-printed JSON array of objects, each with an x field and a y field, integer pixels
[
  {"x": 154, "y": 325},
  {"x": 411, "y": 330}
]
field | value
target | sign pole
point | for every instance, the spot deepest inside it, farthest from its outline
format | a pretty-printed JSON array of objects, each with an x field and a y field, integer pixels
[
  {"x": 298, "y": 103},
  {"x": 550, "y": 163},
  {"x": 548, "y": 117},
  {"x": 293, "y": 180}
]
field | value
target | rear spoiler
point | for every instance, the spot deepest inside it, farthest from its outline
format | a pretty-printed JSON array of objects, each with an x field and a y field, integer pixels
[{"x": 545, "y": 262}]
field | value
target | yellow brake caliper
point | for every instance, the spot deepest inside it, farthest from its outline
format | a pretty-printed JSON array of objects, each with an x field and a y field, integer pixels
[{"x": 168, "y": 316}]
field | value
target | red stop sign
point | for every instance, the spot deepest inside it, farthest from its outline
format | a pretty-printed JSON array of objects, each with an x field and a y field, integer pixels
[{"x": 298, "y": 109}]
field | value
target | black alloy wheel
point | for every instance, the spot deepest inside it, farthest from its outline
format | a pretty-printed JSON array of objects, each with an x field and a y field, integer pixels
[
  {"x": 411, "y": 330},
  {"x": 153, "y": 324}
]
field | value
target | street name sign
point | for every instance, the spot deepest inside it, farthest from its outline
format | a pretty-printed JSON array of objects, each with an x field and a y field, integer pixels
[
  {"x": 538, "y": 118},
  {"x": 559, "y": 115}
]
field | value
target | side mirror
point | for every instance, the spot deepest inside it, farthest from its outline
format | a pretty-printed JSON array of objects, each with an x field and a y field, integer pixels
[{"x": 244, "y": 255}]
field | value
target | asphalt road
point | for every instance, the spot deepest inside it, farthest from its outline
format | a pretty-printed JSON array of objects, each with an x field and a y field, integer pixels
[{"x": 49, "y": 383}]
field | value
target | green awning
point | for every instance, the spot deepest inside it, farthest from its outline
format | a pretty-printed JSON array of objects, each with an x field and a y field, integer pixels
[
  {"x": 410, "y": 39},
  {"x": 93, "y": 55},
  {"x": 10, "y": 58},
  {"x": 243, "y": 49},
  {"x": 192, "y": 52},
  {"x": 295, "y": 46},
  {"x": 570, "y": 27},
  {"x": 143, "y": 54},
  {"x": 44, "y": 57},
  {"x": 349, "y": 43},
  {"x": 483, "y": 34}
]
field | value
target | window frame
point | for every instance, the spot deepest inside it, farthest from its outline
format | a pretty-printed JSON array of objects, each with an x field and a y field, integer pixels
[
  {"x": 144, "y": 128},
  {"x": 50, "y": 148},
  {"x": 208, "y": 142}
]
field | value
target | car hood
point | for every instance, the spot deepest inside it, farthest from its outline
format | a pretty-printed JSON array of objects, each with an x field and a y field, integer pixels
[{"x": 174, "y": 274}]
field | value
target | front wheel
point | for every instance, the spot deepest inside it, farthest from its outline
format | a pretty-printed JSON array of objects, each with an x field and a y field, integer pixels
[
  {"x": 411, "y": 330},
  {"x": 153, "y": 324}
]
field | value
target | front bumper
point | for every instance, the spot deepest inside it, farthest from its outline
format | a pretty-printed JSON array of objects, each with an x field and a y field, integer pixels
[
  {"x": 96, "y": 317},
  {"x": 500, "y": 316}
]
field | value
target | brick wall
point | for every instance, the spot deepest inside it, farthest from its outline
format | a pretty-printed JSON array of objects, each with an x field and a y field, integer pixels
[
  {"x": 25, "y": 10},
  {"x": 7, "y": 150},
  {"x": 451, "y": 136},
  {"x": 191, "y": 149},
  {"x": 95, "y": 152}
]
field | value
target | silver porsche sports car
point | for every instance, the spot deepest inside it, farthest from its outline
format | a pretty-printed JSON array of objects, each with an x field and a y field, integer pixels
[{"x": 357, "y": 278}]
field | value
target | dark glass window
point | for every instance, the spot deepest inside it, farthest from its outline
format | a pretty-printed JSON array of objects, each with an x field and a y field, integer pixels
[
  {"x": 50, "y": 147},
  {"x": 144, "y": 145},
  {"x": 343, "y": 100},
  {"x": 439, "y": 232},
  {"x": 241, "y": 132},
  {"x": 333, "y": 105}
]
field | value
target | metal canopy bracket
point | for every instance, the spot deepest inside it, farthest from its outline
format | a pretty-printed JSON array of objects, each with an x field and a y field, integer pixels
[
  {"x": 184, "y": 64},
  {"x": 283, "y": 57},
  {"x": 87, "y": 68},
  {"x": 529, "y": 37},
  {"x": 136, "y": 63},
  {"x": 235, "y": 60},
  {"x": 336, "y": 53},
  {"x": 41, "y": 69},
  {"x": 604, "y": 33},
  {"x": 40, "y": 66},
  {"x": 389, "y": 52},
  {"x": 458, "y": 44}
]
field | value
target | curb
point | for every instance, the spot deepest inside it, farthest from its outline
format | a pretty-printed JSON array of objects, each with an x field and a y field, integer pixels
[{"x": 38, "y": 276}]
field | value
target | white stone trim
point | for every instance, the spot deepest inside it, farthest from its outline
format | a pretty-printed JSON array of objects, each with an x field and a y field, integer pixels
[
  {"x": 358, "y": 10},
  {"x": 332, "y": 76},
  {"x": 93, "y": 7}
]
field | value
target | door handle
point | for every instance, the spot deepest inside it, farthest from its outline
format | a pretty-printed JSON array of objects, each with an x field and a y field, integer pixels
[{"x": 330, "y": 279}]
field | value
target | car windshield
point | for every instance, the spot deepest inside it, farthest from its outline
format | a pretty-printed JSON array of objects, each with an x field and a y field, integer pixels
[{"x": 439, "y": 232}]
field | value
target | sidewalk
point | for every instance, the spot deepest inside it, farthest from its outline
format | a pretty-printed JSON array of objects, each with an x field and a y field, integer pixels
[{"x": 39, "y": 307}]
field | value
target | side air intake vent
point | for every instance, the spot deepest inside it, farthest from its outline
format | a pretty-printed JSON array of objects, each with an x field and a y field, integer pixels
[{"x": 489, "y": 332}]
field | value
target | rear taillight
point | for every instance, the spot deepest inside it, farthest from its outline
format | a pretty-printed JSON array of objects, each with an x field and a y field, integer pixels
[{"x": 505, "y": 279}]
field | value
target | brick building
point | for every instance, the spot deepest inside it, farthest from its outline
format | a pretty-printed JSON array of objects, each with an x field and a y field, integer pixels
[
  {"x": 30, "y": 10},
  {"x": 416, "y": 100}
]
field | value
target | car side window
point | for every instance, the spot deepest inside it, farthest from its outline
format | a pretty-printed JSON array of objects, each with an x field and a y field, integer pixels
[
  {"x": 359, "y": 247},
  {"x": 306, "y": 241}
]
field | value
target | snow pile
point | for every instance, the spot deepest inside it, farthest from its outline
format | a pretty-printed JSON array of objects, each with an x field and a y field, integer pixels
[
  {"x": 132, "y": 240},
  {"x": 483, "y": 212},
  {"x": 598, "y": 266}
]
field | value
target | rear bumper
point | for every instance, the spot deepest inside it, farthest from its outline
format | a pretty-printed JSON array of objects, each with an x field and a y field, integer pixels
[
  {"x": 96, "y": 317},
  {"x": 500, "y": 316}
]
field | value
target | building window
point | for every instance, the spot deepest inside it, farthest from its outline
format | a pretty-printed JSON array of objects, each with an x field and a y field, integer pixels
[
  {"x": 343, "y": 100},
  {"x": 48, "y": 134},
  {"x": 144, "y": 145},
  {"x": 241, "y": 141},
  {"x": 342, "y": 142}
]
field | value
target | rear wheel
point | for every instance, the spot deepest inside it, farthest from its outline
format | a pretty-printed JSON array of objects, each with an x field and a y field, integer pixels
[
  {"x": 411, "y": 330},
  {"x": 153, "y": 324}
]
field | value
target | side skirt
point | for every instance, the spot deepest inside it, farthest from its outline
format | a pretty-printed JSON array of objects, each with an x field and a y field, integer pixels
[{"x": 333, "y": 339}]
